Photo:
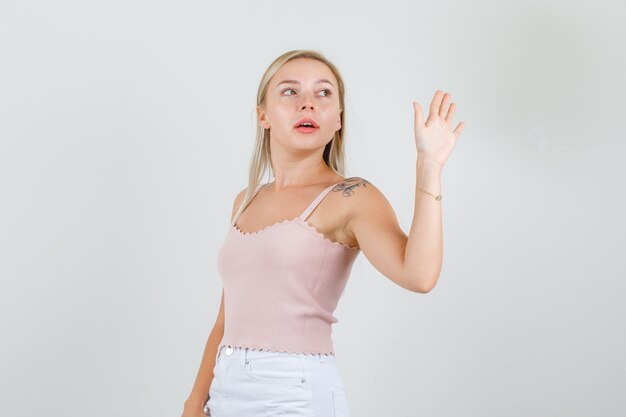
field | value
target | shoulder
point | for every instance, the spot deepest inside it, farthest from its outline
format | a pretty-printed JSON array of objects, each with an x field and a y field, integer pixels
[
  {"x": 237, "y": 202},
  {"x": 239, "y": 197},
  {"x": 359, "y": 191},
  {"x": 364, "y": 201}
]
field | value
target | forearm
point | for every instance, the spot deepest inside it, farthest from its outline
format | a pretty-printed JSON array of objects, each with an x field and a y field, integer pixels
[
  {"x": 424, "y": 250},
  {"x": 200, "y": 392}
]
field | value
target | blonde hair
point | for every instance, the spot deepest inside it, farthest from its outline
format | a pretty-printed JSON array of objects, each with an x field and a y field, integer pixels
[{"x": 334, "y": 153}]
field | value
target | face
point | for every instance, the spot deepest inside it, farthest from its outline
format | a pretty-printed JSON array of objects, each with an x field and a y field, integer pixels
[{"x": 302, "y": 96}]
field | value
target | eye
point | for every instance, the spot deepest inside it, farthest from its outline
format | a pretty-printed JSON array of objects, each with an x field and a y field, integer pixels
[{"x": 328, "y": 92}]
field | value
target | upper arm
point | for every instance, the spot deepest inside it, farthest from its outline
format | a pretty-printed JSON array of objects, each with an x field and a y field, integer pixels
[
  {"x": 219, "y": 322},
  {"x": 373, "y": 223}
]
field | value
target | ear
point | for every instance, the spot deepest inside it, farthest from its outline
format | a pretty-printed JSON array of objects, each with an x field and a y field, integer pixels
[
  {"x": 262, "y": 117},
  {"x": 339, "y": 120}
]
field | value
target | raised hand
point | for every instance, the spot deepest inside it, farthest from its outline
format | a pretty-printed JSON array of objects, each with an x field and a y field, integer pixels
[{"x": 434, "y": 136}]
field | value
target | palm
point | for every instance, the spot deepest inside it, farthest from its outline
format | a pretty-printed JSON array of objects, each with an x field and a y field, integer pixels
[{"x": 434, "y": 136}]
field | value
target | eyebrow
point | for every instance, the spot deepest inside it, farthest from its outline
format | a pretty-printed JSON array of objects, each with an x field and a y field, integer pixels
[{"x": 323, "y": 80}]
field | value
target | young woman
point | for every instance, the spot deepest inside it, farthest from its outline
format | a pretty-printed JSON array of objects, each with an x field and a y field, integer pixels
[{"x": 286, "y": 258}]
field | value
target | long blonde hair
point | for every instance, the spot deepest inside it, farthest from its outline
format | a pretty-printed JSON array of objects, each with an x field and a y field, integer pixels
[{"x": 334, "y": 153}]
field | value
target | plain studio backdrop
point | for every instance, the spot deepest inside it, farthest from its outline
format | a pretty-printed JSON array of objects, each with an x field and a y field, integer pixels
[{"x": 126, "y": 129}]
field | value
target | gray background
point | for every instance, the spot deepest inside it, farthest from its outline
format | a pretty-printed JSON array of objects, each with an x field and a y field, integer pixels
[{"x": 126, "y": 129}]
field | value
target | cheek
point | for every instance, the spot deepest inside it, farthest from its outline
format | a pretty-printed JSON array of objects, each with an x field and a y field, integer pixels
[
  {"x": 279, "y": 117},
  {"x": 331, "y": 117}
]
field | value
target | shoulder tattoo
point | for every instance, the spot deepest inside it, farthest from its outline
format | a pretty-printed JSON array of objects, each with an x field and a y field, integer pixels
[{"x": 348, "y": 185}]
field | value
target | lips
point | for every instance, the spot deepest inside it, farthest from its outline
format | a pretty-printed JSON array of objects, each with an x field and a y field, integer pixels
[{"x": 311, "y": 121}]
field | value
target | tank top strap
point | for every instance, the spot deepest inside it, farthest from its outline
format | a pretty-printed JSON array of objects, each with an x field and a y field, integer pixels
[
  {"x": 317, "y": 200},
  {"x": 253, "y": 195}
]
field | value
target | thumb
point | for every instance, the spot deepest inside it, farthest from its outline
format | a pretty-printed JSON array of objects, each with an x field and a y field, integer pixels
[{"x": 419, "y": 116}]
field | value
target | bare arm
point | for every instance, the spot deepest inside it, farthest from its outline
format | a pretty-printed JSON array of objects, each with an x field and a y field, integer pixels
[
  {"x": 200, "y": 392},
  {"x": 413, "y": 262},
  {"x": 423, "y": 255},
  {"x": 374, "y": 224}
]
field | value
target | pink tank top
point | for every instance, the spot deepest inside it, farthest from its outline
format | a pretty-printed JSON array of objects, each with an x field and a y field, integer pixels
[{"x": 282, "y": 285}]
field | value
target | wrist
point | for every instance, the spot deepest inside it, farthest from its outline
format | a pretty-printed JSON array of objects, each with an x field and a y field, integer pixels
[
  {"x": 195, "y": 402},
  {"x": 428, "y": 177},
  {"x": 426, "y": 163}
]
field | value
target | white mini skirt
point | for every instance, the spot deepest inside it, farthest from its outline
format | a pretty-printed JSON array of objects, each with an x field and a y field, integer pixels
[{"x": 255, "y": 383}]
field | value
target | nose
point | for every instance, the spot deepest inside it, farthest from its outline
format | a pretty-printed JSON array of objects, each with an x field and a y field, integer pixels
[{"x": 307, "y": 101}]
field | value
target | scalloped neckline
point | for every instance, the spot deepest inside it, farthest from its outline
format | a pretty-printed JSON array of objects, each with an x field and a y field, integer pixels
[{"x": 304, "y": 223}]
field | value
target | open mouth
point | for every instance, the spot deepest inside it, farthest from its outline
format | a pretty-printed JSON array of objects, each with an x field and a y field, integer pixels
[
  {"x": 306, "y": 125},
  {"x": 306, "y": 129}
]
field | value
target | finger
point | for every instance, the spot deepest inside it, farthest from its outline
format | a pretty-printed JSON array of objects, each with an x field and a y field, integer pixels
[
  {"x": 451, "y": 112},
  {"x": 419, "y": 115},
  {"x": 434, "y": 105},
  {"x": 459, "y": 129},
  {"x": 445, "y": 103}
]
